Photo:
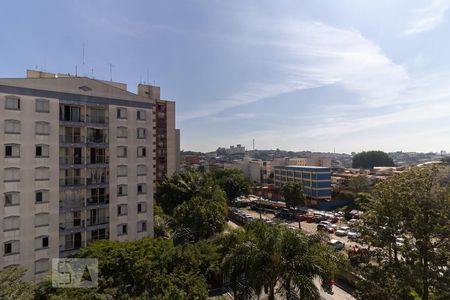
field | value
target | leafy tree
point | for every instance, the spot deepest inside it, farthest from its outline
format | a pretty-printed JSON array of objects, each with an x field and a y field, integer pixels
[
  {"x": 202, "y": 216},
  {"x": 358, "y": 184},
  {"x": 416, "y": 206},
  {"x": 370, "y": 159},
  {"x": 180, "y": 188},
  {"x": 12, "y": 287},
  {"x": 146, "y": 269},
  {"x": 277, "y": 259},
  {"x": 233, "y": 182},
  {"x": 293, "y": 194}
]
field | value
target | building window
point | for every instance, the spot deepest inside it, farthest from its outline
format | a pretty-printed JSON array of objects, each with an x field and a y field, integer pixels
[
  {"x": 42, "y": 151},
  {"x": 11, "y": 247},
  {"x": 122, "y": 210},
  {"x": 122, "y": 171},
  {"x": 122, "y": 229},
  {"x": 122, "y": 190},
  {"x": 11, "y": 223},
  {"x": 12, "y": 102},
  {"x": 122, "y": 132},
  {"x": 141, "y": 207},
  {"x": 12, "y": 126},
  {"x": 41, "y": 266},
  {"x": 142, "y": 188},
  {"x": 41, "y": 219},
  {"x": 121, "y": 113},
  {"x": 42, "y": 173},
  {"x": 12, "y": 175},
  {"x": 41, "y": 242},
  {"x": 12, "y": 198},
  {"x": 141, "y": 152},
  {"x": 141, "y": 133},
  {"x": 42, "y": 196},
  {"x": 42, "y": 105},
  {"x": 141, "y": 170},
  {"x": 122, "y": 151},
  {"x": 12, "y": 150},
  {"x": 142, "y": 226},
  {"x": 42, "y": 128},
  {"x": 141, "y": 115}
]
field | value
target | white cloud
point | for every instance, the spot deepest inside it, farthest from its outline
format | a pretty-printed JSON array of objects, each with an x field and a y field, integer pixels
[
  {"x": 429, "y": 17},
  {"x": 314, "y": 55}
]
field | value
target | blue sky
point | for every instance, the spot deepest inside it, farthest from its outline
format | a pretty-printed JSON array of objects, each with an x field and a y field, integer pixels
[{"x": 296, "y": 75}]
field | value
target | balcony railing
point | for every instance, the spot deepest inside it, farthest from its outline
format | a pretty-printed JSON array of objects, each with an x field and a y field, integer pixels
[
  {"x": 71, "y": 181},
  {"x": 71, "y": 139},
  {"x": 97, "y": 139},
  {"x": 71, "y": 118},
  {"x": 98, "y": 159},
  {"x": 71, "y": 203},
  {"x": 97, "y": 221},
  {"x": 98, "y": 179},
  {"x": 97, "y": 119},
  {"x": 96, "y": 200},
  {"x": 97, "y": 238},
  {"x": 74, "y": 224},
  {"x": 71, "y": 160}
]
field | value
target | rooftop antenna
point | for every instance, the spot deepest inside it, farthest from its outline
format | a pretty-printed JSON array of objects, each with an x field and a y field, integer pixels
[
  {"x": 253, "y": 144},
  {"x": 83, "y": 53},
  {"x": 111, "y": 66},
  {"x": 148, "y": 76},
  {"x": 76, "y": 70}
]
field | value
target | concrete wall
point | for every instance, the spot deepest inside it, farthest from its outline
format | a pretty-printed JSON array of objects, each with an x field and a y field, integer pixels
[{"x": 28, "y": 185}]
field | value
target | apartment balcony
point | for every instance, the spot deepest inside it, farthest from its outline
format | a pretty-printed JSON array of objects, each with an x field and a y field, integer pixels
[
  {"x": 71, "y": 204},
  {"x": 76, "y": 181},
  {"x": 97, "y": 181},
  {"x": 70, "y": 248},
  {"x": 76, "y": 225},
  {"x": 71, "y": 161},
  {"x": 76, "y": 120},
  {"x": 98, "y": 238},
  {"x": 98, "y": 140},
  {"x": 97, "y": 121},
  {"x": 98, "y": 161},
  {"x": 97, "y": 222},
  {"x": 74, "y": 139},
  {"x": 98, "y": 201}
]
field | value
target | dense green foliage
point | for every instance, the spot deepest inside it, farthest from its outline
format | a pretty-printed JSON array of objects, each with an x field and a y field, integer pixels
[
  {"x": 283, "y": 261},
  {"x": 358, "y": 184},
  {"x": 12, "y": 287},
  {"x": 293, "y": 194},
  {"x": 370, "y": 159},
  {"x": 146, "y": 269},
  {"x": 233, "y": 182},
  {"x": 415, "y": 206}
]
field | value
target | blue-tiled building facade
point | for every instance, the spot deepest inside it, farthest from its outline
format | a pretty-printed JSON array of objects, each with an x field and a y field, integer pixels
[{"x": 316, "y": 180}]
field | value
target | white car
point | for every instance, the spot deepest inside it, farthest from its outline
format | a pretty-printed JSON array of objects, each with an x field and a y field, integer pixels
[
  {"x": 353, "y": 234},
  {"x": 338, "y": 245},
  {"x": 340, "y": 232},
  {"x": 399, "y": 241}
]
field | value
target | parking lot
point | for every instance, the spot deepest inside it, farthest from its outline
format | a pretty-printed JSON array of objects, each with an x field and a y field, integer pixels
[{"x": 310, "y": 228}]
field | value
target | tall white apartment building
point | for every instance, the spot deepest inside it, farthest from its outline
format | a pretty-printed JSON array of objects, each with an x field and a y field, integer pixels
[{"x": 79, "y": 159}]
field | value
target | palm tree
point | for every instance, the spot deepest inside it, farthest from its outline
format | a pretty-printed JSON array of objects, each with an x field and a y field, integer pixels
[{"x": 278, "y": 260}]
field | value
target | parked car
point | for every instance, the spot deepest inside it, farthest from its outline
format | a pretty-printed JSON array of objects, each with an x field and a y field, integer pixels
[
  {"x": 330, "y": 229},
  {"x": 338, "y": 245},
  {"x": 353, "y": 234},
  {"x": 311, "y": 219},
  {"x": 400, "y": 241},
  {"x": 342, "y": 231}
]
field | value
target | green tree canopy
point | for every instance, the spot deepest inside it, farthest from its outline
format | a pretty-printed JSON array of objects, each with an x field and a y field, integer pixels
[
  {"x": 358, "y": 184},
  {"x": 202, "y": 216},
  {"x": 12, "y": 286},
  {"x": 293, "y": 194},
  {"x": 415, "y": 206},
  {"x": 233, "y": 182},
  {"x": 282, "y": 260},
  {"x": 146, "y": 269},
  {"x": 370, "y": 159}
]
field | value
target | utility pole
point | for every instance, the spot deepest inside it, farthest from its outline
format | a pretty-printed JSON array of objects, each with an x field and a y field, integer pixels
[{"x": 110, "y": 71}]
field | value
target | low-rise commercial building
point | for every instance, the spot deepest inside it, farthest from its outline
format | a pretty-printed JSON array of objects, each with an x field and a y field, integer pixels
[{"x": 316, "y": 181}]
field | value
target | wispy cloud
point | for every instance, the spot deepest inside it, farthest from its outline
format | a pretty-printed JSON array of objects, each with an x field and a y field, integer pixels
[
  {"x": 315, "y": 54},
  {"x": 429, "y": 17}
]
